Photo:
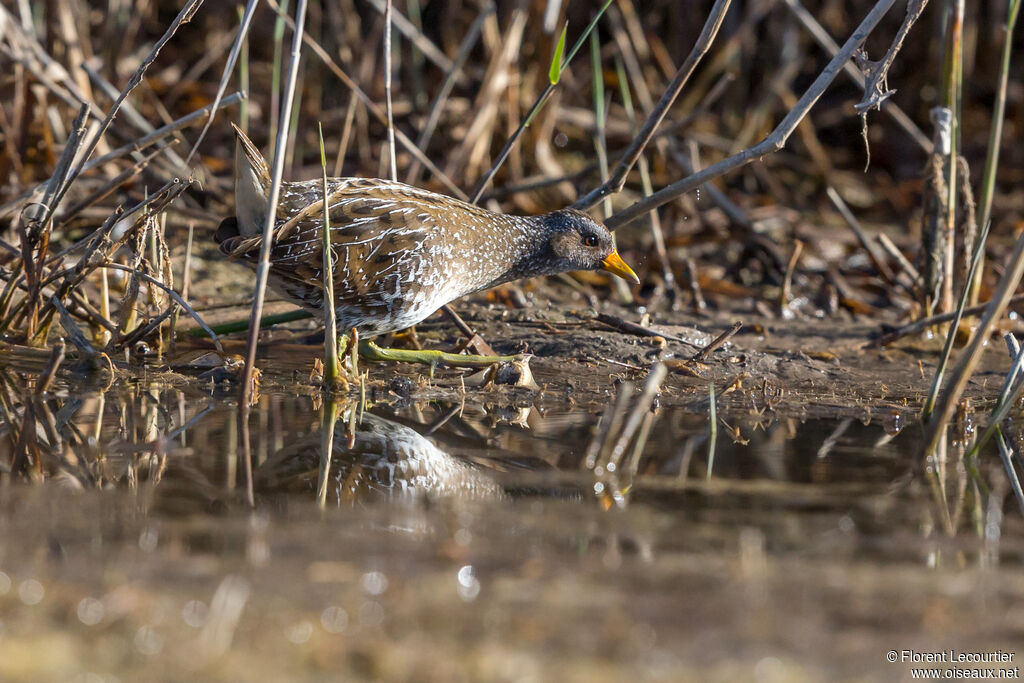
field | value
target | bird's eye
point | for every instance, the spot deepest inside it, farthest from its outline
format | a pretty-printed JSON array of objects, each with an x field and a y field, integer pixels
[{"x": 590, "y": 240}]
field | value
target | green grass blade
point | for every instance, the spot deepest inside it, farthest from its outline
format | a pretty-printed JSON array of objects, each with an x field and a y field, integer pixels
[{"x": 556, "y": 60}]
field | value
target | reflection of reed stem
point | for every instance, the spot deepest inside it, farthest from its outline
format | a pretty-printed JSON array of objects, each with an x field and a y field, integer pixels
[
  {"x": 712, "y": 428},
  {"x": 327, "y": 421}
]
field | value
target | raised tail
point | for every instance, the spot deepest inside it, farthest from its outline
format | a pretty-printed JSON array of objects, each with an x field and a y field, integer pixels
[{"x": 252, "y": 185}]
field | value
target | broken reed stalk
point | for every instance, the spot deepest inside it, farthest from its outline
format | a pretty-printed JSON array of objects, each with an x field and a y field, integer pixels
[
  {"x": 947, "y": 347},
  {"x": 995, "y": 136},
  {"x": 618, "y": 178},
  {"x": 608, "y": 425},
  {"x": 34, "y": 229},
  {"x": 823, "y": 39},
  {"x": 388, "y": 109},
  {"x": 277, "y": 170},
  {"x": 331, "y": 371},
  {"x": 558, "y": 65},
  {"x": 717, "y": 343},
  {"x": 946, "y": 405},
  {"x": 787, "y": 278},
  {"x": 775, "y": 141}
]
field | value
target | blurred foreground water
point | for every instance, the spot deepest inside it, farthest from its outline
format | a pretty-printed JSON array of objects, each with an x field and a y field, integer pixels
[{"x": 459, "y": 542}]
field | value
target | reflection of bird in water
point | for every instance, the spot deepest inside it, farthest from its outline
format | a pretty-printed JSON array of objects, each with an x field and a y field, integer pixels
[{"x": 387, "y": 458}]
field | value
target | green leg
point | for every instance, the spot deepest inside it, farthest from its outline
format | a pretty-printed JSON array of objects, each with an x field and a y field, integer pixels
[
  {"x": 350, "y": 359},
  {"x": 370, "y": 351}
]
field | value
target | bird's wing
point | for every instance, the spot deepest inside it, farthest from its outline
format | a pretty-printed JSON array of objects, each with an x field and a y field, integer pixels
[{"x": 379, "y": 245}]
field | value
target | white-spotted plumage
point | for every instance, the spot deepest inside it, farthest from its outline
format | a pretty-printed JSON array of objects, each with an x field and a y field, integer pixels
[{"x": 400, "y": 252}]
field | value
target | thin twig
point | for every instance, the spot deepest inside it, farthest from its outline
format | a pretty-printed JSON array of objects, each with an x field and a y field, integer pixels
[
  {"x": 393, "y": 165},
  {"x": 774, "y": 141},
  {"x": 537, "y": 105},
  {"x": 372, "y": 107},
  {"x": 263, "y": 268},
  {"x": 717, "y": 342},
  {"x": 652, "y": 385},
  {"x": 236, "y": 48},
  {"x": 183, "y": 17},
  {"x": 174, "y": 295},
  {"x": 946, "y": 405},
  {"x": 330, "y": 318},
  {"x": 618, "y": 177}
]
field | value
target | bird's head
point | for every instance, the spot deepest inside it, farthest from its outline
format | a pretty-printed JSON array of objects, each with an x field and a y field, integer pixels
[{"x": 578, "y": 242}]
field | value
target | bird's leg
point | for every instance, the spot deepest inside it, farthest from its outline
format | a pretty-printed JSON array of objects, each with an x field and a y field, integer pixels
[
  {"x": 352, "y": 348},
  {"x": 370, "y": 351}
]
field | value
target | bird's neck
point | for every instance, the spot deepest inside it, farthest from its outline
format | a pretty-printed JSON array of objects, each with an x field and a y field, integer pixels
[{"x": 515, "y": 252}]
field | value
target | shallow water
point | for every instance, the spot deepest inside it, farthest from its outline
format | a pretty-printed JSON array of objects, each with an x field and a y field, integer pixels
[{"x": 471, "y": 542}]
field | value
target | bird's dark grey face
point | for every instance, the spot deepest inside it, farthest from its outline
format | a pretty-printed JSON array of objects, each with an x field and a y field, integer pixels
[{"x": 578, "y": 242}]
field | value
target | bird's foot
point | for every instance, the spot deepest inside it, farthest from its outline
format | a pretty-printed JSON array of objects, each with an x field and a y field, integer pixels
[{"x": 371, "y": 352}]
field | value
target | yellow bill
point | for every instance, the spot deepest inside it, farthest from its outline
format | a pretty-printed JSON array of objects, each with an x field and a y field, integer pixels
[{"x": 614, "y": 264}]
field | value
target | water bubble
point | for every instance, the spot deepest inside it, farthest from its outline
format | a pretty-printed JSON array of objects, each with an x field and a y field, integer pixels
[
  {"x": 31, "y": 592},
  {"x": 598, "y": 488},
  {"x": 148, "y": 642},
  {"x": 90, "y": 611},
  {"x": 299, "y": 632},
  {"x": 334, "y": 619},
  {"x": 469, "y": 585},
  {"x": 374, "y": 583},
  {"x": 195, "y": 613},
  {"x": 465, "y": 575},
  {"x": 893, "y": 423}
]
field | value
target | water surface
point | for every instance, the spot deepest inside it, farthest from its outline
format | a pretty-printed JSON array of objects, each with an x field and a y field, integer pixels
[{"x": 462, "y": 541}]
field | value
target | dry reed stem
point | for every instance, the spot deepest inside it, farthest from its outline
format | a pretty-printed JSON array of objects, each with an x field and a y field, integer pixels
[
  {"x": 276, "y": 172},
  {"x": 629, "y": 158},
  {"x": 774, "y": 141}
]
